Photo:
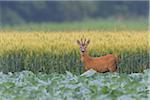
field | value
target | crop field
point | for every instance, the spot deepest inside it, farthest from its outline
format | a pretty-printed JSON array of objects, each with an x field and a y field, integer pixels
[
  {"x": 90, "y": 85},
  {"x": 58, "y": 51},
  {"x": 42, "y": 65}
]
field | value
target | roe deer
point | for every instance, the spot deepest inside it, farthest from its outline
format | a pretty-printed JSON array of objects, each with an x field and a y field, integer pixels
[{"x": 106, "y": 63}]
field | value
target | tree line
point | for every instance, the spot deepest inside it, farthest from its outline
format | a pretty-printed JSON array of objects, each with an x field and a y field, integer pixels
[{"x": 17, "y": 12}]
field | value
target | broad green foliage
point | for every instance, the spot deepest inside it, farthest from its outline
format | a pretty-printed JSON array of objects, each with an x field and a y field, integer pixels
[
  {"x": 58, "y": 51},
  {"x": 90, "y": 85}
]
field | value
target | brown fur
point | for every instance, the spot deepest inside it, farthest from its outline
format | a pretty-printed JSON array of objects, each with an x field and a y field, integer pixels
[{"x": 106, "y": 63}]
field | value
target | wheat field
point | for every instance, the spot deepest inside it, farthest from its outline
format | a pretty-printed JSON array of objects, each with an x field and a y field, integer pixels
[{"x": 58, "y": 51}]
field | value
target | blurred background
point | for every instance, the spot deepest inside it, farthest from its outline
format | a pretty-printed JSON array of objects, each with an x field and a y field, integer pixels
[{"x": 25, "y": 12}]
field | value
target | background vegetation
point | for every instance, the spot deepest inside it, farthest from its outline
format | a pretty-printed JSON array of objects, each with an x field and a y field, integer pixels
[
  {"x": 111, "y": 24},
  {"x": 21, "y": 12}
]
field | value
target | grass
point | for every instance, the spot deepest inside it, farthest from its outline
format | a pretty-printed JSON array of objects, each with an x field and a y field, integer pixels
[
  {"x": 112, "y": 24},
  {"x": 26, "y": 85},
  {"x": 58, "y": 51}
]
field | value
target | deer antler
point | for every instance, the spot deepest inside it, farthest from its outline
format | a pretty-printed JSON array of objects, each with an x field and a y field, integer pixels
[{"x": 84, "y": 41}]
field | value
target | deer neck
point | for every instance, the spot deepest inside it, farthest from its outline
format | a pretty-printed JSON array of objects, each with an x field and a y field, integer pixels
[{"x": 85, "y": 58}]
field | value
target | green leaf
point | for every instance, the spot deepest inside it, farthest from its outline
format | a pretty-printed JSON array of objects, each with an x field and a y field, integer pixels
[
  {"x": 8, "y": 84},
  {"x": 105, "y": 90}
]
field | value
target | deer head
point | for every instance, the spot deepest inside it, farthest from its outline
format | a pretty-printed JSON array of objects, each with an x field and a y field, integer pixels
[{"x": 83, "y": 45}]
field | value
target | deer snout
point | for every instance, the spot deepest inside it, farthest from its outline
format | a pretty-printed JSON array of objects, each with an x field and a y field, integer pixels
[{"x": 82, "y": 50}]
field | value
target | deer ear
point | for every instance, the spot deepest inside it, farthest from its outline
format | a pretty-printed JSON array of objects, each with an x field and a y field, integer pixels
[
  {"x": 78, "y": 42},
  {"x": 88, "y": 42}
]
